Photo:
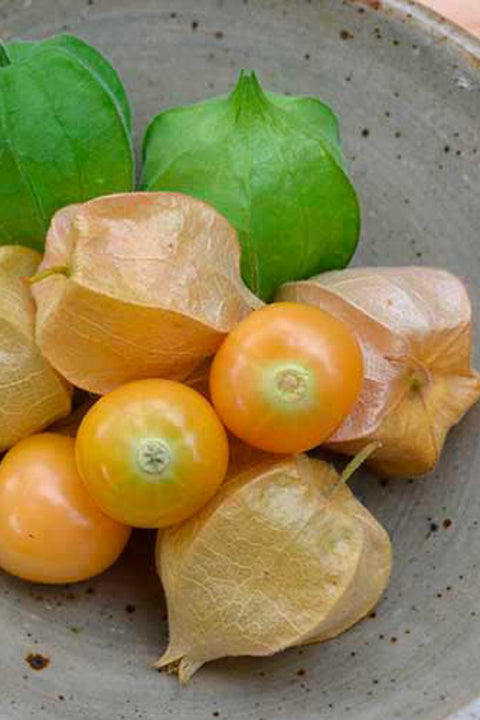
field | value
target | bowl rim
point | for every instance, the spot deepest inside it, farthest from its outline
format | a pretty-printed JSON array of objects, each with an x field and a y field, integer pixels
[
  {"x": 468, "y": 46},
  {"x": 415, "y": 12}
]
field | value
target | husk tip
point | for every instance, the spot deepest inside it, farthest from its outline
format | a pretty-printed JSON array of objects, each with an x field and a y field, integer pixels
[{"x": 184, "y": 667}]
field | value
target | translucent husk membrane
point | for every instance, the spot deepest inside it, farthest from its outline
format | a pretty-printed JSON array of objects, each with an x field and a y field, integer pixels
[
  {"x": 32, "y": 394},
  {"x": 137, "y": 285},
  {"x": 414, "y": 324},
  {"x": 284, "y": 555}
]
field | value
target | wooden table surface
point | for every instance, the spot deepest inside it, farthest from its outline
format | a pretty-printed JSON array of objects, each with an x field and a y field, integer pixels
[{"x": 464, "y": 12}]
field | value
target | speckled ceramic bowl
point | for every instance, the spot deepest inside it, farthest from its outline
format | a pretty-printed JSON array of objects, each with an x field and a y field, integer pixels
[{"x": 407, "y": 86}]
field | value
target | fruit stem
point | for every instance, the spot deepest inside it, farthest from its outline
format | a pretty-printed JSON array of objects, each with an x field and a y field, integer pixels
[
  {"x": 357, "y": 461},
  {"x": 54, "y": 270},
  {"x": 288, "y": 384},
  {"x": 4, "y": 56},
  {"x": 153, "y": 456},
  {"x": 291, "y": 383}
]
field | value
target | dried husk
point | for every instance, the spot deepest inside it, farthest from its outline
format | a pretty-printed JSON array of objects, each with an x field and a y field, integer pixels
[
  {"x": 17, "y": 261},
  {"x": 414, "y": 324},
  {"x": 284, "y": 555},
  {"x": 69, "y": 426},
  {"x": 199, "y": 379},
  {"x": 32, "y": 394},
  {"x": 149, "y": 284}
]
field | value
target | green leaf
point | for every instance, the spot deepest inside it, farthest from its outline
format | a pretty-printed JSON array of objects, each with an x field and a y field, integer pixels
[
  {"x": 64, "y": 134},
  {"x": 274, "y": 167},
  {"x": 4, "y": 56},
  {"x": 100, "y": 66}
]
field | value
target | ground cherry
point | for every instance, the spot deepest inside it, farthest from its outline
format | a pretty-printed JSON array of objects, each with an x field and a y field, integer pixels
[
  {"x": 51, "y": 531},
  {"x": 152, "y": 452},
  {"x": 286, "y": 377}
]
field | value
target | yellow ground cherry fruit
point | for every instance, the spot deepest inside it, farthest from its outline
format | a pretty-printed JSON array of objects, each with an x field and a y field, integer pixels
[
  {"x": 286, "y": 377},
  {"x": 51, "y": 531},
  {"x": 152, "y": 452}
]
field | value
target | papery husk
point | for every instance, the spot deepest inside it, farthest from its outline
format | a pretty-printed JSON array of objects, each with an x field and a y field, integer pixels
[
  {"x": 148, "y": 285},
  {"x": 199, "y": 378},
  {"x": 414, "y": 324},
  {"x": 18, "y": 261},
  {"x": 284, "y": 555},
  {"x": 32, "y": 394},
  {"x": 69, "y": 425}
]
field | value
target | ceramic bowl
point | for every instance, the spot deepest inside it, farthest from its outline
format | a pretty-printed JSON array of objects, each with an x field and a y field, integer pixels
[{"x": 407, "y": 87}]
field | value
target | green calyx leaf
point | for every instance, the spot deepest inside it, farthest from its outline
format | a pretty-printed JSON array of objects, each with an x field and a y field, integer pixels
[
  {"x": 4, "y": 56},
  {"x": 273, "y": 165},
  {"x": 65, "y": 134},
  {"x": 248, "y": 93}
]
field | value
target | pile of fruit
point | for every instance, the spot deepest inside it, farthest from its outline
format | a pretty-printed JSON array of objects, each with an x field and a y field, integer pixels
[{"x": 145, "y": 382}]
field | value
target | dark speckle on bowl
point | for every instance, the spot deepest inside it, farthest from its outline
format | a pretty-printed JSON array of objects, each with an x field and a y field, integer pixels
[{"x": 37, "y": 661}]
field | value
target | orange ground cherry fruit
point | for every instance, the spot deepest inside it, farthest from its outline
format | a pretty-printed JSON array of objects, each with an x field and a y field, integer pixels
[
  {"x": 152, "y": 452},
  {"x": 286, "y": 377},
  {"x": 51, "y": 531}
]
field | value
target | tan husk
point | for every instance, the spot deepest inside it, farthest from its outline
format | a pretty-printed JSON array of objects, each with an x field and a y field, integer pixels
[
  {"x": 150, "y": 286},
  {"x": 32, "y": 394},
  {"x": 283, "y": 555},
  {"x": 199, "y": 379},
  {"x": 68, "y": 426},
  {"x": 414, "y": 324},
  {"x": 18, "y": 261}
]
